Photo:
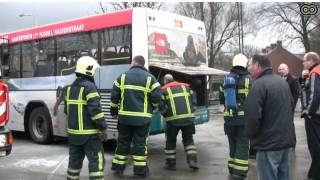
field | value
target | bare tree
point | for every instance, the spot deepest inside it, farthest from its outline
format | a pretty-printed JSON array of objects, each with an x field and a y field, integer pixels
[
  {"x": 287, "y": 18},
  {"x": 104, "y": 7}
]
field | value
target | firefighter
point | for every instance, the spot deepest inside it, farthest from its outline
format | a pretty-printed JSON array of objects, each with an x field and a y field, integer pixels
[
  {"x": 85, "y": 121},
  {"x": 179, "y": 115},
  {"x": 232, "y": 96},
  {"x": 135, "y": 94}
]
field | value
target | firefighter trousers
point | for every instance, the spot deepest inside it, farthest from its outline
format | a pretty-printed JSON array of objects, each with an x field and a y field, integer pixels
[
  {"x": 312, "y": 126},
  {"x": 93, "y": 149},
  {"x": 187, "y": 140},
  {"x": 138, "y": 135},
  {"x": 238, "y": 163}
]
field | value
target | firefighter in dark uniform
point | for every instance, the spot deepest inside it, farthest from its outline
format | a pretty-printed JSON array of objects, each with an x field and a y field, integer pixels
[
  {"x": 85, "y": 121},
  {"x": 238, "y": 163},
  {"x": 179, "y": 115},
  {"x": 135, "y": 94}
]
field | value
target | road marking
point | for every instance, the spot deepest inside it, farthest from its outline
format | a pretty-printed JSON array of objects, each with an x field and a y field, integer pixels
[{"x": 58, "y": 166}]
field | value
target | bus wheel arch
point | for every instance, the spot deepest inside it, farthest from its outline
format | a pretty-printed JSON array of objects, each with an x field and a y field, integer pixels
[{"x": 38, "y": 123}]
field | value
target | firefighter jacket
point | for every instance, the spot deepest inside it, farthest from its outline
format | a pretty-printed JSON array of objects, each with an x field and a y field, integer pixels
[
  {"x": 177, "y": 104},
  {"x": 135, "y": 94},
  {"x": 83, "y": 108},
  {"x": 243, "y": 83},
  {"x": 312, "y": 91}
]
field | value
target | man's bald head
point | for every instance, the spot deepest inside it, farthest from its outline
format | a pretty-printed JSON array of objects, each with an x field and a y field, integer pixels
[
  {"x": 167, "y": 78},
  {"x": 283, "y": 70}
]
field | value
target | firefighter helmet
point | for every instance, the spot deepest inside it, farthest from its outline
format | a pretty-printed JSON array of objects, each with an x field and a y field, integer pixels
[
  {"x": 240, "y": 60},
  {"x": 87, "y": 65}
]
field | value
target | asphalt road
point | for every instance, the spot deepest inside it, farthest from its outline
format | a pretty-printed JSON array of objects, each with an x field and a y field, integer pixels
[{"x": 30, "y": 161}]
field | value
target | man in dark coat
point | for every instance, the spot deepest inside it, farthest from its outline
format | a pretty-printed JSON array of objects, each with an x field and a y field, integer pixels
[
  {"x": 311, "y": 111},
  {"x": 268, "y": 109}
]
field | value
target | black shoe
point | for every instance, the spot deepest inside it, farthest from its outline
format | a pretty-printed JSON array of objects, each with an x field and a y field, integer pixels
[
  {"x": 170, "y": 167},
  {"x": 140, "y": 176},
  {"x": 193, "y": 165},
  {"x": 237, "y": 177},
  {"x": 118, "y": 173}
]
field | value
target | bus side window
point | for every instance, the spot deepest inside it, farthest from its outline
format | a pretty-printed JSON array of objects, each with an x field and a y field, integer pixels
[{"x": 109, "y": 54}]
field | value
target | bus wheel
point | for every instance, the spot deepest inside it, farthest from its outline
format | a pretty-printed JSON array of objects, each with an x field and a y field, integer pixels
[{"x": 40, "y": 126}]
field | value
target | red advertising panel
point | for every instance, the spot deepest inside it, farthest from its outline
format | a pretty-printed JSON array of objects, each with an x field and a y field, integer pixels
[
  {"x": 160, "y": 42},
  {"x": 79, "y": 25}
]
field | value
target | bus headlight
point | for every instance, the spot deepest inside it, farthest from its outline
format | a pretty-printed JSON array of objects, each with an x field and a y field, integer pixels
[{"x": 3, "y": 140}]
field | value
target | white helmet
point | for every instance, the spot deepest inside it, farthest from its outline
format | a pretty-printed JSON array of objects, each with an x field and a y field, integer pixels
[
  {"x": 240, "y": 60},
  {"x": 87, "y": 65}
]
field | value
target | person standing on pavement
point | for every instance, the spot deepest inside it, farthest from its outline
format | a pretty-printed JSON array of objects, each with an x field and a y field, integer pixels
[
  {"x": 268, "y": 109},
  {"x": 238, "y": 163},
  {"x": 135, "y": 94},
  {"x": 85, "y": 121},
  {"x": 293, "y": 83},
  {"x": 311, "y": 112},
  {"x": 179, "y": 115}
]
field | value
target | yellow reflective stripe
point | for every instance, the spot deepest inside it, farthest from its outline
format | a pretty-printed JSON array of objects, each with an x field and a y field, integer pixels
[
  {"x": 80, "y": 115},
  {"x": 116, "y": 161},
  {"x": 123, "y": 76},
  {"x": 187, "y": 99},
  {"x": 139, "y": 114},
  {"x": 116, "y": 84},
  {"x": 100, "y": 161},
  {"x": 179, "y": 117},
  {"x": 98, "y": 116},
  {"x": 169, "y": 151},
  {"x": 145, "y": 104},
  {"x": 76, "y": 102},
  {"x": 98, "y": 173},
  {"x": 155, "y": 85},
  {"x": 238, "y": 167},
  {"x": 179, "y": 95},
  {"x": 243, "y": 91},
  {"x": 162, "y": 97},
  {"x": 90, "y": 131},
  {"x": 138, "y": 88},
  {"x": 190, "y": 147},
  {"x": 221, "y": 89},
  {"x": 155, "y": 104},
  {"x": 121, "y": 157},
  {"x": 191, "y": 152},
  {"x": 113, "y": 104},
  {"x": 72, "y": 177},
  {"x": 67, "y": 98},
  {"x": 74, "y": 170},
  {"x": 139, "y": 158},
  {"x": 170, "y": 156},
  {"x": 240, "y": 113},
  {"x": 173, "y": 106},
  {"x": 135, "y": 163},
  {"x": 239, "y": 161},
  {"x": 92, "y": 95}
]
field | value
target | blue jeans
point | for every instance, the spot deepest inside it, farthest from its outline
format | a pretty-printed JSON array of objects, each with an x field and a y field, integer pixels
[{"x": 273, "y": 165}]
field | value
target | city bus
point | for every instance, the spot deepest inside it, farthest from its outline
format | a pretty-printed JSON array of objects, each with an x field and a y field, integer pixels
[{"x": 39, "y": 62}]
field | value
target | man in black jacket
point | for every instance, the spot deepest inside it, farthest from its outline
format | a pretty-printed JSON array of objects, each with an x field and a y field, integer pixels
[
  {"x": 268, "y": 111},
  {"x": 311, "y": 111},
  {"x": 293, "y": 83}
]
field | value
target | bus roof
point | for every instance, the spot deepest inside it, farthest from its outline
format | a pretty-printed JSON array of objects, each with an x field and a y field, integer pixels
[{"x": 84, "y": 24}]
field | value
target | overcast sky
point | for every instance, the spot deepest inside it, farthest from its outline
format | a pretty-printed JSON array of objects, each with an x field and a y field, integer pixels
[{"x": 50, "y": 12}]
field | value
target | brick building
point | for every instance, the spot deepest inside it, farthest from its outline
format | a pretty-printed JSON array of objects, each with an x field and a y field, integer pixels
[{"x": 278, "y": 55}]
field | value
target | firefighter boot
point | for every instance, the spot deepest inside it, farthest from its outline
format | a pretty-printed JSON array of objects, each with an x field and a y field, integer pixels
[
  {"x": 170, "y": 164},
  {"x": 192, "y": 161}
]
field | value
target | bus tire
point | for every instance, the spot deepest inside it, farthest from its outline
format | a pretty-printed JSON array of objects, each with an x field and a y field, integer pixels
[{"x": 40, "y": 126}]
